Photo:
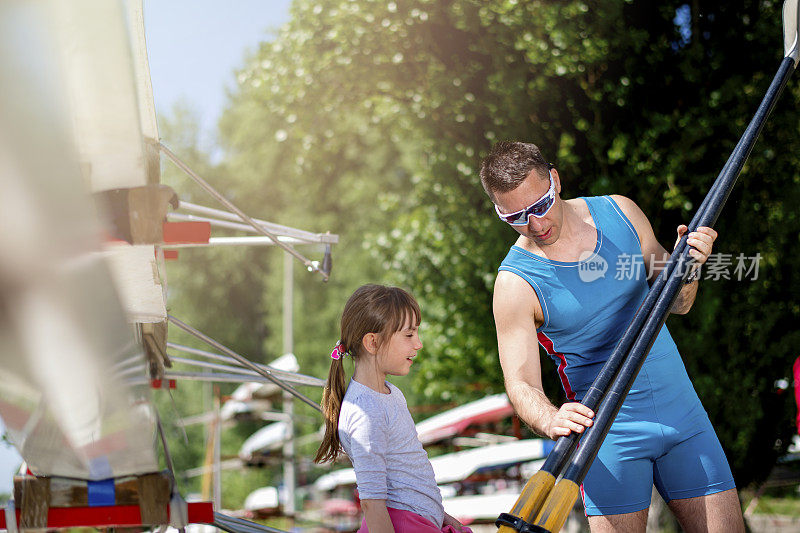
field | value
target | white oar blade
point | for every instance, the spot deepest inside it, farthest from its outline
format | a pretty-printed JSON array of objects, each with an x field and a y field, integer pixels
[{"x": 790, "y": 25}]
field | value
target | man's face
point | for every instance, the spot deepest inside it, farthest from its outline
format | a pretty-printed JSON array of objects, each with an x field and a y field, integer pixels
[{"x": 542, "y": 231}]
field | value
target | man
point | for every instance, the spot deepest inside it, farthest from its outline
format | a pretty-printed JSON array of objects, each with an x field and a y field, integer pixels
[{"x": 557, "y": 287}]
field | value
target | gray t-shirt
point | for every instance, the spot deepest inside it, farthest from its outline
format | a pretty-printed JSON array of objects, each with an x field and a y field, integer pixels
[{"x": 378, "y": 434}]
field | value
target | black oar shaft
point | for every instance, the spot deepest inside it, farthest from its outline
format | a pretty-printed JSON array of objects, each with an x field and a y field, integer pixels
[
  {"x": 716, "y": 199},
  {"x": 563, "y": 495},
  {"x": 593, "y": 437},
  {"x": 558, "y": 456},
  {"x": 539, "y": 486}
]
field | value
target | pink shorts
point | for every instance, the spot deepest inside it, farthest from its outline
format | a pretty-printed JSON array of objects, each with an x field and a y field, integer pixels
[{"x": 408, "y": 522}]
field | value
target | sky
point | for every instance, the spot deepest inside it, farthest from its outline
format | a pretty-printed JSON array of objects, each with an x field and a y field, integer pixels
[{"x": 194, "y": 47}]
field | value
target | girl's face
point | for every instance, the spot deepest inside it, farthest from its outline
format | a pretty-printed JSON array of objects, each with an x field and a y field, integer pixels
[{"x": 397, "y": 354}]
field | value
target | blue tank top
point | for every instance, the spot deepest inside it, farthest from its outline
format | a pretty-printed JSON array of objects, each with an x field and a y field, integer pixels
[{"x": 588, "y": 304}]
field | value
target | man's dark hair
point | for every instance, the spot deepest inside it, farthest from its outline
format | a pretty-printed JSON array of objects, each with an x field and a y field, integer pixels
[{"x": 508, "y": 164}]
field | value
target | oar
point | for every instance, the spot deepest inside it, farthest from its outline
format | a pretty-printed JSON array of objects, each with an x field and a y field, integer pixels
[
  {"x": 562, "y": 497},
  {"x": 539, "y": 485}
]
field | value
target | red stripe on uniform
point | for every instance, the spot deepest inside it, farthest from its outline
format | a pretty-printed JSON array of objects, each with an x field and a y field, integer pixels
[
  {"x": 547, "y": 344},
  {"x": 583, "y": 499}
]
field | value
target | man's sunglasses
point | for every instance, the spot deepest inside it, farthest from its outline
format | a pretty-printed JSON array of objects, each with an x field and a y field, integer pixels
[{"x": 537, "y": 209}]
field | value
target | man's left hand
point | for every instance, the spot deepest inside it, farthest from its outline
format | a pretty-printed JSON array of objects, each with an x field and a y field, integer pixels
[{"x": 701, "y": 242}]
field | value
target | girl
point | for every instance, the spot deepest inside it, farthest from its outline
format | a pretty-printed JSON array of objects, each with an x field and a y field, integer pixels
[{"x": 371, "y": 422}]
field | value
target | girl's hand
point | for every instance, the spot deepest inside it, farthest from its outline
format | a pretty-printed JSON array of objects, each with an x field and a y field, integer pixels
[{"x": 453, "y": 525}]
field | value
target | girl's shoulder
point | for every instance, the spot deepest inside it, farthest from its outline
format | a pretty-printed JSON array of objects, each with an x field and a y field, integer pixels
[
  {"x": 361, "y": 410},
  {"x": 363, "y": 395},
  {"x": 361, "y": 401},
  {"x": 360, "y": 397}
]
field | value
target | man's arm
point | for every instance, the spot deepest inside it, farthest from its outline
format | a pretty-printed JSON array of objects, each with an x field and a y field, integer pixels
[
  {"x": 655, "y": 256},
  {"x": 516, "y": 308}
]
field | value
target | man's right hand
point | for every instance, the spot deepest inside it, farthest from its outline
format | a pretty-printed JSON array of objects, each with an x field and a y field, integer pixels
[{"x": 572, "y": 416}]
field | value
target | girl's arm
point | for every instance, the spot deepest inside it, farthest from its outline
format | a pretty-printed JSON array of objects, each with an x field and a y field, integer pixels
[{"x": 377, "y": 516}]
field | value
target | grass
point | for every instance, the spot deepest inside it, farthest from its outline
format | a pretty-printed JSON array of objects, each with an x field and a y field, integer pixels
[
  {"x": 777, "y": 505},
  {"x": 779, "y": 500}
]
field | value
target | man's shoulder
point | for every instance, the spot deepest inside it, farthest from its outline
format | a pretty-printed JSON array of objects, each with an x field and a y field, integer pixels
[
  {"x": 627, "y": 205},
  {"x": 512, "y": 294},
  {"x": 508, "y": 281},
  {"x": 631, "y": 210},
  {"x": 619, "y": 200}
]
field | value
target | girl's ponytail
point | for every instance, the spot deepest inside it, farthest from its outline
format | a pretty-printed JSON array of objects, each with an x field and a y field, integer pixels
[{"x": 332, "y": 398}]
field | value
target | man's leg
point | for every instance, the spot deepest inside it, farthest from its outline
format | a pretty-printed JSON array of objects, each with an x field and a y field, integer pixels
[
  {"x": 619, "y": 523},
  {"x": 720, "y": 512},
  {"x": 616, "y": 491}
]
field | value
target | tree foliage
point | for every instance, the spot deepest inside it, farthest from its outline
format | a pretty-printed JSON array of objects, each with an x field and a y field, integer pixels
[{"x": 368, "y": 119}]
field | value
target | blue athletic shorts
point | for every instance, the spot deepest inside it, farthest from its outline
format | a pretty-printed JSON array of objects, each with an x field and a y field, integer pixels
[{"x": 662, "y": 437}]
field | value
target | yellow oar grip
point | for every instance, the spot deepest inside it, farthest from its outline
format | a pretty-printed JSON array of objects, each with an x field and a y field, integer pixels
[
  {"x": 558, "y": 505},
  {"x": 533, "y": 496}
]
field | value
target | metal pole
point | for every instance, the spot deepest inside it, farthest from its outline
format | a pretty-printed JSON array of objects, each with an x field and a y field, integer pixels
[
  {"x": 229, "y": 241},
  {"x": 217, "y": 450},
  {"x": 301, "y": 380},
  {"x": 285, "y": 375},
  {"x": 242, "y": 361},
  {"x": 215, "y": 377},
  {"x": 289, "y": 474},
  {"x": 305, "y": 236},
  {"x": 227, "y": 203},
  {"x": 238, "y": 525},
  {"x": 288, "y": 305}
]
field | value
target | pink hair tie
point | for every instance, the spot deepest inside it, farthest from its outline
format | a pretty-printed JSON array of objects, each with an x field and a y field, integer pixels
[{"x": 337, "y": 351}]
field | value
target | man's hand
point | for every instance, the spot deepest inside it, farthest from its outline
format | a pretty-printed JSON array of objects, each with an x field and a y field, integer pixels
[
  {"x": 572, "y": 416},
  {"x": 701, "y": 241}
]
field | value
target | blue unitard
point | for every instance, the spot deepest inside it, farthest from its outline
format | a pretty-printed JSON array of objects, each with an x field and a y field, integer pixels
[{"x": 662, "y": 435}]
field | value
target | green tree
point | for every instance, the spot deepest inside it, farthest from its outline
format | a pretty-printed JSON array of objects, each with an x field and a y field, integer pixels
[{"x": 369, "y": 119}]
